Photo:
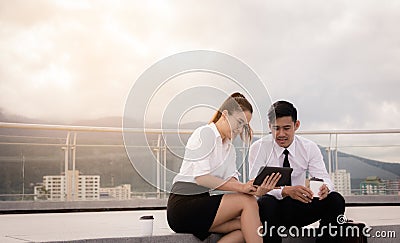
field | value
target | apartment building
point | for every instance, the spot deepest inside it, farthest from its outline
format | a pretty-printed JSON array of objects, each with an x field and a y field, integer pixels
[
  {"x": 373, "y": 185},
  {"x": 122, "y": 192},
  {"x": 72, "y": 186},
  {"x": 342, "y": 181}
]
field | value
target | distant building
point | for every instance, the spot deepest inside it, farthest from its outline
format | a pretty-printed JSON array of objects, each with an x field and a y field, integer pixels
[
  {"x": 122, "y": 192},
  {"x": 373, "y": 185},
  {"x": 342, "y": 182},
  {"x": 392, "y": 187},
  {"x": 72, "y": 186},
  {"x": 40, "y": 192}
]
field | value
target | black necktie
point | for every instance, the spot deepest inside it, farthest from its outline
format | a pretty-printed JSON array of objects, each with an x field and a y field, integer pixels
[
  {"x": 286, "y": 160},
  {"x": 286, "y": 163}
]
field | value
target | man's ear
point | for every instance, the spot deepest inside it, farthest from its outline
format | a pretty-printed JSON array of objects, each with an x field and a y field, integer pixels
[{"x": 296, "y": 125}]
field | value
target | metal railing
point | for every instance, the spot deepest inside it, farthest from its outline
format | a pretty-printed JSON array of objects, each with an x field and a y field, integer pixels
[{"x": 66, "y": 140}]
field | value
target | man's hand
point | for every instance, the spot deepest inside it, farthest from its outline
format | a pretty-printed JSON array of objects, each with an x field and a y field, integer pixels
[
  {"x": 268, "y": 184},
  {"x": 323, "y": 192},
  {"x": 300, "y": 193}
]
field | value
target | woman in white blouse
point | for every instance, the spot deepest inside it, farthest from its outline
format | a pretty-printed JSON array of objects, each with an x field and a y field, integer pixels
[{"x": 209, "y": 164}]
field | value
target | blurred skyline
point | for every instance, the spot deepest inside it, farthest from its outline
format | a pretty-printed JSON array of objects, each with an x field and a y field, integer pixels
[{"x": 63, "y": 61}]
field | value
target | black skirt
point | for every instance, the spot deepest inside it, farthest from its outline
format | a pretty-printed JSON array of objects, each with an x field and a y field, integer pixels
[{"x": 192, "y": 213}]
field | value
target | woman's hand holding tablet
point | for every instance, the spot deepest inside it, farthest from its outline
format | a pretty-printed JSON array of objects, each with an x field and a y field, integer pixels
[{"x": 268, "y": 184}]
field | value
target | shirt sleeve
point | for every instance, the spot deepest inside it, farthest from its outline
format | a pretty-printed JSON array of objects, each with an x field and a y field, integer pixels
[
  {"x": 198, "y": 149},
  {"x": 277, "y": 193},
  {"x": 230, "y": 165},
  {"x": 316, "y": 167},
  {"x": 257, "y": 158}
]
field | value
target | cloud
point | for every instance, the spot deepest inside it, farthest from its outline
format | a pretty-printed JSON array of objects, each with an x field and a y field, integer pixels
[{"x": 68, "y": 60}]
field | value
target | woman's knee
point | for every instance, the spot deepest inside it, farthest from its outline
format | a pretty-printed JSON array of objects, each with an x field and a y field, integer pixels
[{"x": 249, "y": 201}]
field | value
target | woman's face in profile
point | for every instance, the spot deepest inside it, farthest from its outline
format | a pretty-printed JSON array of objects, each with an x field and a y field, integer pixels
[{"x": 237, "y": 123}]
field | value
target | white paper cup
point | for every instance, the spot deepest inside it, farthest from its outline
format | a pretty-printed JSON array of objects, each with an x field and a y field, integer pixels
[
  {"x": 146, "y": 224},
  {"x": 315, "y": 186}
]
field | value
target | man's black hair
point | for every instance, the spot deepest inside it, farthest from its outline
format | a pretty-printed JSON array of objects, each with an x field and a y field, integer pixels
[{"x": 280, "y": 109}]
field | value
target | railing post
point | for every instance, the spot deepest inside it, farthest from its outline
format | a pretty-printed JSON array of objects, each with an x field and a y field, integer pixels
[
  {"x": 158, "y": 165},
  {"x": 23, "y": 177},
  {"x": 328, "y": 152},
  {"x": 73, "y": 188},
  {"x": 329, "y": 155},
  {"x": 164, "y": 169},
  {"x": 66, "y": 165},
  {"x": 336, "y": 154}
]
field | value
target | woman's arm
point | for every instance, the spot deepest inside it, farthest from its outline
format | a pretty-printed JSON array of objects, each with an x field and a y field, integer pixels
[{"x": 230, "y": 185}]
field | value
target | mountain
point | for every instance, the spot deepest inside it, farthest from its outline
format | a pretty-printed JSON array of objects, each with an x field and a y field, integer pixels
[
  {"x": 360, "y": 168},
  {"x": 4, "y": 117}
]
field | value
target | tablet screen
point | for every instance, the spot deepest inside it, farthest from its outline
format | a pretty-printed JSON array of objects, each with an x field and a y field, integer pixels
[{"x": 265, "y": 171}]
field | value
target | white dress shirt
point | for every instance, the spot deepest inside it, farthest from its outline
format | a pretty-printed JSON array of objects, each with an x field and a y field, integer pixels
[
  {"x": 205, "y": 153},
  {"x": 303, "y": 155}
]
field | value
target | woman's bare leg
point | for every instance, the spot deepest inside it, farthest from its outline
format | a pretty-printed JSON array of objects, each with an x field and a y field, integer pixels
[
  {"x": 243, "y": 206},
  {"x": 227, "y": 227},
  {"x": 232, "y": 237}
]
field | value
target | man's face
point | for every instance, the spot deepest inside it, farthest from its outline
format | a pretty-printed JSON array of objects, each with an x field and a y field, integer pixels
[{"x": 283, "y": 130}]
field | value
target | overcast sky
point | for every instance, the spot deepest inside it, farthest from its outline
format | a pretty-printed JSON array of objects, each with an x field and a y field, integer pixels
[{"x": 337, "y": 61}]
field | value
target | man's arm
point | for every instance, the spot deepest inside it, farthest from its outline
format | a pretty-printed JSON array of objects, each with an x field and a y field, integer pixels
[
  {"x": 316, "y": 167},
  {"x": 257, "y": 158}
]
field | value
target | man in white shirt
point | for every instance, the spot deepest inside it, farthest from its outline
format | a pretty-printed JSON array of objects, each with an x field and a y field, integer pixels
[{"x": 295, "y": 204}]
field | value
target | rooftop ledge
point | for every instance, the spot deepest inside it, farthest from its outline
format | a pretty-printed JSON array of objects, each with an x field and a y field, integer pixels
[
  {"x": 7, "y": 207},
  {"x": 118, "y": 221}
]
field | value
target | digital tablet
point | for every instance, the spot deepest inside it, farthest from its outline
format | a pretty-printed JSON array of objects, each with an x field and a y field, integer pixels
[{"x": 264, "y": 171}]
